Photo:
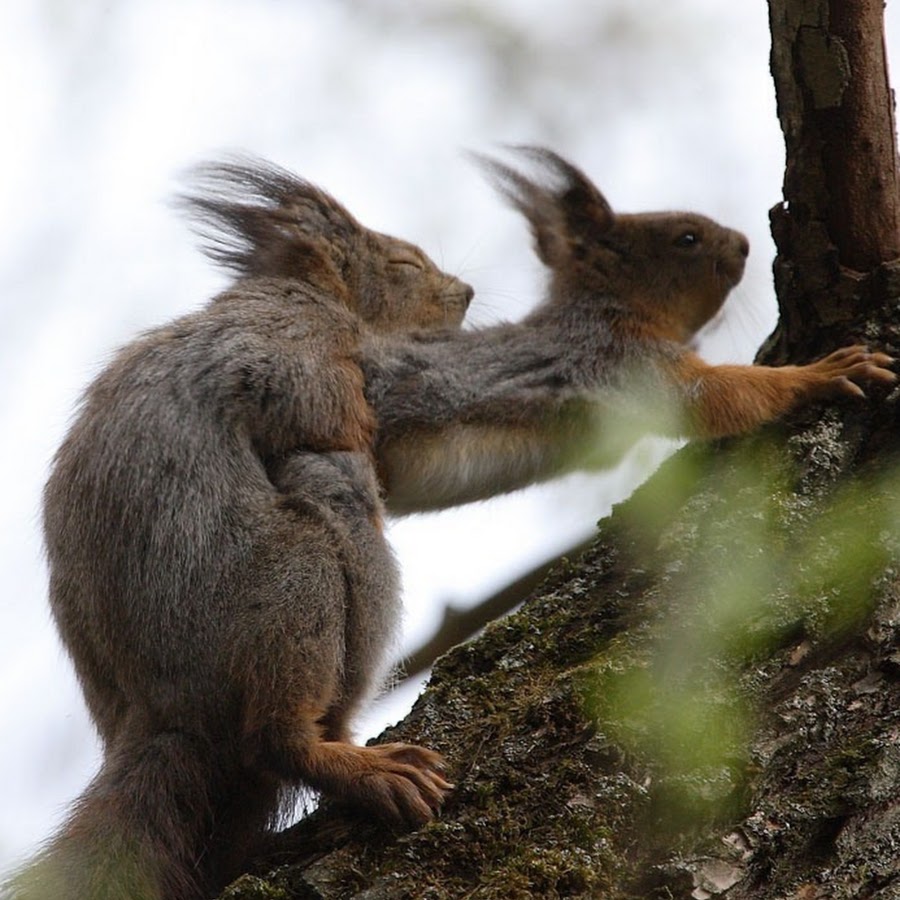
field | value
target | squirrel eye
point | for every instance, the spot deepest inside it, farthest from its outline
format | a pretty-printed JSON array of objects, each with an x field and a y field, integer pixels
[{"x": 687, "y": 239}]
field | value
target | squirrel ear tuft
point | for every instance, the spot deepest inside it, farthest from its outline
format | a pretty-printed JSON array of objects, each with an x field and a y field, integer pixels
[
  {"x": 535, "y": 202},
  {"x": 250, "y": 213},
  {"x": 564, "y": 212}
]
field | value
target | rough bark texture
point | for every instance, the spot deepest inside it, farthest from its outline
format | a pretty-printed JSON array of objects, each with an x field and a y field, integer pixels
[
  {"x": 707, "y": 703},
  {"x": 838, "y": 228}
]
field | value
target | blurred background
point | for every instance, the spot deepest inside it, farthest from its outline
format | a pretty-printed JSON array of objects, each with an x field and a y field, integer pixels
[{"x": 105, "y": 103}]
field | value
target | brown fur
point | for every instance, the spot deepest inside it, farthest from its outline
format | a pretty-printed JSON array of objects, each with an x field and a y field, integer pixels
[{"x": 726, "y": 400}]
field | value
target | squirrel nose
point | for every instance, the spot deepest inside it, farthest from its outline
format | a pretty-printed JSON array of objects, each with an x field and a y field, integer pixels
[
  {"x": 469, "y": 293},
  {"x": 743, "y": 246}
]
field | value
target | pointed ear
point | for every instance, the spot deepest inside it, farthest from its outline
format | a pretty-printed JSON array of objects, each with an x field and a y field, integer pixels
[
  {"x": 586, "y": 211},
  {"x": 535, "y": 202},
  {"x": 565, "y": 214}
]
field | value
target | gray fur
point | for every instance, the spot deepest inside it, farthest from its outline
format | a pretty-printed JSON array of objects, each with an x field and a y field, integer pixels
[{"x": 602, "y": 361}]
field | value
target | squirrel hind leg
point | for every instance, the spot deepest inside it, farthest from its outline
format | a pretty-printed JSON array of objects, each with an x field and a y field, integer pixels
[{"x": 402, "y": 784}]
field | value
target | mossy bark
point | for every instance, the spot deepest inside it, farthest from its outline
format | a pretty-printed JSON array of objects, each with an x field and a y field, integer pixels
[
  {"x": 568, "y": 787},
  {"x": 707, "y": 702}
]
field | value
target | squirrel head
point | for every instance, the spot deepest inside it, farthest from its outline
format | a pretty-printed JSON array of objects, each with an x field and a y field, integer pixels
[
  {"x": 669, "y": 272},
  {"x": 259, "y": 220}
]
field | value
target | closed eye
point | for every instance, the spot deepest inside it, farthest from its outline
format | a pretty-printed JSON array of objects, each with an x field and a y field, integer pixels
[{"x": 407, "y": 261}]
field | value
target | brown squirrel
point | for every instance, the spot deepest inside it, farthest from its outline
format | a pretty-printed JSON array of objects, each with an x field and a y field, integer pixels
[
  {"x": 604, "y": 358},
  {"x": 218, "y": 571}
]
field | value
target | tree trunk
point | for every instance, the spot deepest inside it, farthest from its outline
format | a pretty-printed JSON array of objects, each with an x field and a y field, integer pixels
[
  {"x": 706, "y": 703},
  {"x": 838, "y": 228}
]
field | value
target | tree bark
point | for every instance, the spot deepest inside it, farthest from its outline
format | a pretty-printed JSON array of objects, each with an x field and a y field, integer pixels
[
  {"x": 838, "y": 228},
  {"x": 706, "y": 703}
]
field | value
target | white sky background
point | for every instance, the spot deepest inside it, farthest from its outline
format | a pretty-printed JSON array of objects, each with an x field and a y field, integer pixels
[{"x": 104, "y": 104}]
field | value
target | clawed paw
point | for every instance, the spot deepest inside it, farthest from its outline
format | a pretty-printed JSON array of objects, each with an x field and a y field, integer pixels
[
  {"x": 405, "y": 784},
  {"x": 840, "y": 371}
]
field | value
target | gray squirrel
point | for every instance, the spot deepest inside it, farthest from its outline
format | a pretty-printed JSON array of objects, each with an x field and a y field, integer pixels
[{"x": 213, "y": 519}]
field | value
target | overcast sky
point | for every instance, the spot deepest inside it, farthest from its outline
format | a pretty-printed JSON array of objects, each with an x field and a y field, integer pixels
[{"x": 105, "y": 103}]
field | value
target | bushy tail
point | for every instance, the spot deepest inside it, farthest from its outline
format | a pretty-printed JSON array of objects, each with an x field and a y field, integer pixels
[{"x": 137, "y": 831}]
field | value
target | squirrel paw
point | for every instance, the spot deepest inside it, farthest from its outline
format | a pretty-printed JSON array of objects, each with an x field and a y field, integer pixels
[
  {"x": 403, "y": 783},
  {"x": 838, "y": 372}
]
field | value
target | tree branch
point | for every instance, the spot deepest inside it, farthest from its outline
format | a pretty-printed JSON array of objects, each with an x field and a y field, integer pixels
[{"x": 459, "y": 625}]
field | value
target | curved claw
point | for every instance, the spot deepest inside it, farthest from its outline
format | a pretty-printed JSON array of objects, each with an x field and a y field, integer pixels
[{"x": 841, "y": 370}]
